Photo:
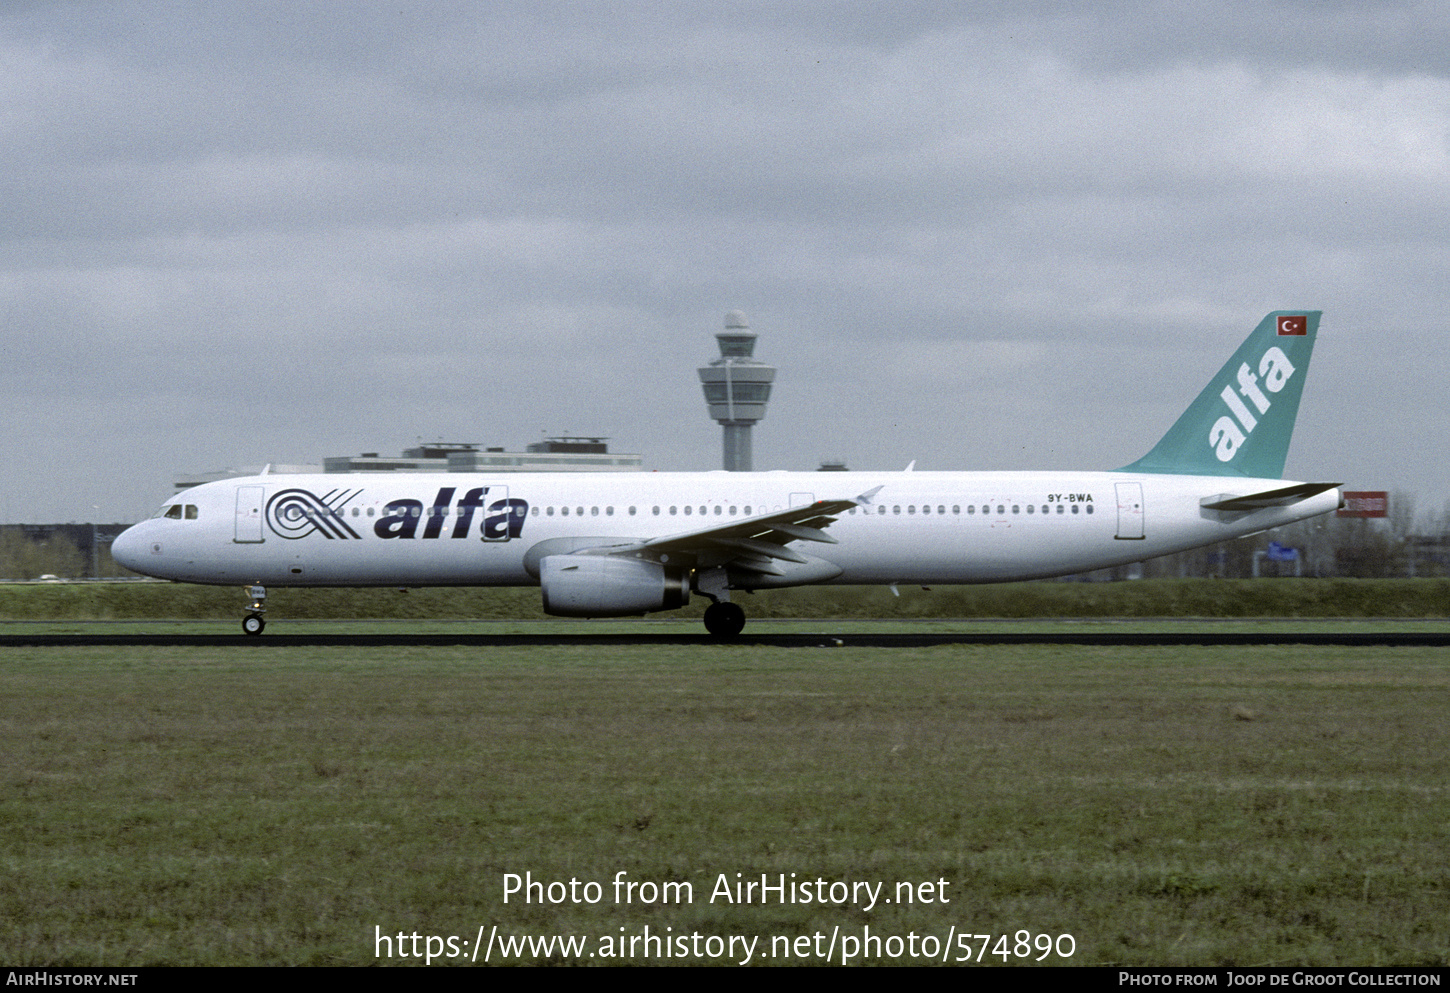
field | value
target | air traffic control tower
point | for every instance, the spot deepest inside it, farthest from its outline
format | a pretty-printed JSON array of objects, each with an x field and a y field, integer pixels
[{"x": 737, "y": 388}]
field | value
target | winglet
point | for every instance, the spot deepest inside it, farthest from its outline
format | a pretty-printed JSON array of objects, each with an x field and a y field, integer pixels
[
  {"x": 1241, "y": 423},
  {"x": 864, "y": 500}
]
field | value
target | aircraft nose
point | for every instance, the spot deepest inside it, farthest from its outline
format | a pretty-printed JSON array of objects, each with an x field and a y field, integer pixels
[{"x": 129, "y": 549}]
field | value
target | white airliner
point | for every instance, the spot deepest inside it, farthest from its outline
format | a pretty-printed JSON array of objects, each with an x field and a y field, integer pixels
[{"x": 619, "y": 544}]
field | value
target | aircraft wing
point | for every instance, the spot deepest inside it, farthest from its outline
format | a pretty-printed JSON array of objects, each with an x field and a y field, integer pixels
[{"x": 1282, "y": 497}]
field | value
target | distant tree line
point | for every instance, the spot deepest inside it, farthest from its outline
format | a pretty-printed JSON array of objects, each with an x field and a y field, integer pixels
[{"x": 66, "y": 551}]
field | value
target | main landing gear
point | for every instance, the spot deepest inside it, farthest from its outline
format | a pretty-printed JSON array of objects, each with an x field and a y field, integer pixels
[
  {"x": 724, "y": 619},
  {"x": 253, "y": 623}
]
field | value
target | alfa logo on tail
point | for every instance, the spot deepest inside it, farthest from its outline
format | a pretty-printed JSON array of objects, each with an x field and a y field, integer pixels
[{"x": 1227, "y": 434}]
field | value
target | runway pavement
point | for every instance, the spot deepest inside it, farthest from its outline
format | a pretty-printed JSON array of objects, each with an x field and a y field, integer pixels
[{"x": 825, "y": 638}]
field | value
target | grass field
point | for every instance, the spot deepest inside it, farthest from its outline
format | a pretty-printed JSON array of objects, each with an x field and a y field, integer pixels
[{"x": 1161, "y": 806}]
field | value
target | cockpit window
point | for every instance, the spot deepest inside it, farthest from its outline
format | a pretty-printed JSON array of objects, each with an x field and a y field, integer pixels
[{"x": 177, "y": 511}]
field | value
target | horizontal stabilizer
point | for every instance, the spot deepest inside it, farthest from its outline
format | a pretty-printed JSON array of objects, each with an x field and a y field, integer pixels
[{"x": 1268, "y": 498}]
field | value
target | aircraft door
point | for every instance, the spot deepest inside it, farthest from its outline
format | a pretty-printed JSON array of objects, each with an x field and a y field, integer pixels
[
  {"x": 1130, "y": 511},
  {"x": 249, "y": 514}
]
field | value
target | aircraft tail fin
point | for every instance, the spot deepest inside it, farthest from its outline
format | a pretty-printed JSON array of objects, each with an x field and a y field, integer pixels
[{"x": 1241, "y": 423}]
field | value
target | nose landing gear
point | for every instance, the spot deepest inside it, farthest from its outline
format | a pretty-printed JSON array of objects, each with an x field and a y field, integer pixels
[{"x": 253, "y": 623}]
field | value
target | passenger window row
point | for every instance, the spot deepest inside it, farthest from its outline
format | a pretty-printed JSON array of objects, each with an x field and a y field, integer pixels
[
  {"x": 986, "y": 509},
  {"x": 703, "y": 510}
]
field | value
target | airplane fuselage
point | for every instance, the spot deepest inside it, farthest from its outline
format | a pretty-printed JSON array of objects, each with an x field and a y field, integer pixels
[{"x": 459, "y": 529}]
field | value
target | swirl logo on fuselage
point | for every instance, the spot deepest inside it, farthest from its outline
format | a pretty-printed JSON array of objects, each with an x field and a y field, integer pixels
[{"x": 297, "y": 513}]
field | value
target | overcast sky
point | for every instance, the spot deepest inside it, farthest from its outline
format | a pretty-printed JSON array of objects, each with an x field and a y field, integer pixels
[{"x": 977, "y": 235}]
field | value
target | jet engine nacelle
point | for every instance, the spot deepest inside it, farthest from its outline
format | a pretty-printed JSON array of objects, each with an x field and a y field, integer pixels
[{"x": 605, "y": 586}]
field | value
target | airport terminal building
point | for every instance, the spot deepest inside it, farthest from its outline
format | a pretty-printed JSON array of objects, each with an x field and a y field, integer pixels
[{"x": 561, "y": 454}]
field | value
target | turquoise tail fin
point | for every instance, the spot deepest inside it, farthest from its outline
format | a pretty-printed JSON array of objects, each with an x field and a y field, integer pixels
[{"x": 1241, "y": 423}]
